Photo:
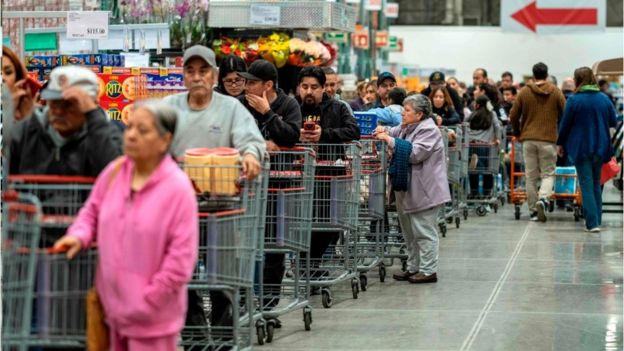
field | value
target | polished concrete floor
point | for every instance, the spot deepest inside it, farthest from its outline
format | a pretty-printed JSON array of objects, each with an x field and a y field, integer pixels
[{"x": 503, "y": 285}]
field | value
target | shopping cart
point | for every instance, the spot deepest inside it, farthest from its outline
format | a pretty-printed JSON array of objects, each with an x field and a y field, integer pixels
[
  {"x": 21, "y": 216},
  {"x": 370, "y": 245},
  {"x": 286, "y": 236},
  {"x": 517, "y": 181},
  {"x": 484, "y": 165},
  {"x": 457, "y": 173},
  {"x": 228, "y": 248},
  {"x": 59, "y": 300},
  {"x": 61, "y": 198},
  {"x": 335, "y": 217}
]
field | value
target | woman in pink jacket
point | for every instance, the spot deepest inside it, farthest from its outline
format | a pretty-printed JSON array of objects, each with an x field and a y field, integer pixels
[{"x": 142, "y": 212}]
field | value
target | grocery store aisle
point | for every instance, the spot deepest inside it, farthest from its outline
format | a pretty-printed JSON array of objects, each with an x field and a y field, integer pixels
[{"x": 503, "y": 285}]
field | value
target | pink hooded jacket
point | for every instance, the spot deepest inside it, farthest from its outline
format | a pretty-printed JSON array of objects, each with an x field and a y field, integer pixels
[{"x": 147, "y": 247}]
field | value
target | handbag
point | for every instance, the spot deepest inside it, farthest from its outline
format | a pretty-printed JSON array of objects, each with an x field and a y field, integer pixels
[
  {"x": 98, "y": 337},
  {"x": 609, "y": 170},
  {"x": 97, "y": 334}
]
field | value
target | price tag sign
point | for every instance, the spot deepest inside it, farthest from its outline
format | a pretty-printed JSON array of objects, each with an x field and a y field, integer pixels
[
  {"x": 264, "y": 15},
  {"x": 87, "y": 25}
]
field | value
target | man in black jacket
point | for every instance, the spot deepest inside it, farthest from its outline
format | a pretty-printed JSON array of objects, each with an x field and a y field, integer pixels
[
  {"x": 326, "y": 121},
  {"x": 278, "y": 115},
  {"x": 437, "y": 79},
  {"x": 72, "y": 135},
  {"x": 279, "y": 118}
]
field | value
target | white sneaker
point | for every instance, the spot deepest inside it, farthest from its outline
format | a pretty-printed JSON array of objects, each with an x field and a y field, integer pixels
[
  {"x": 593, "y": 230},
  {"x": 541, "y": 206}
]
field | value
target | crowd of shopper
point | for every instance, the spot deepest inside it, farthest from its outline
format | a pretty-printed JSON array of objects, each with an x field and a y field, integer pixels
[{"x": 233, "y": 105}]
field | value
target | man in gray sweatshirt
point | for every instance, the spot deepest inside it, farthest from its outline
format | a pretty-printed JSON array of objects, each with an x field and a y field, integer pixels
[{"x": 209, "y": 119}]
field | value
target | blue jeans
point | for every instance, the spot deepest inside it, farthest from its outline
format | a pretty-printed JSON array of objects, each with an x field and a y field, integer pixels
[{"x": 588, "y": 173}]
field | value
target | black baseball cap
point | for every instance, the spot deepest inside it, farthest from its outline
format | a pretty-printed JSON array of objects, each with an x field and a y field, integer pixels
[
  {"x": 260, "y": 70},
  {"x": 385, "y": 75},
  {"x": 437, "y": 76}
]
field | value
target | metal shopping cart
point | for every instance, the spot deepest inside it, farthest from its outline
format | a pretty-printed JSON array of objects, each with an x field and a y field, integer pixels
[
  {"x": 517, "y": 187},
  {"x": 457, "y": 174},
  {"x": 370, "y": 245},
  {"x": 21, "y": 216},
  {"x": 484, "y": 165},
  {"x": 335, "y": 218},
  {"x": 286, "y": 237},
  {"x": 228, "y": 249},
  {"x": 61, "y": 198}
]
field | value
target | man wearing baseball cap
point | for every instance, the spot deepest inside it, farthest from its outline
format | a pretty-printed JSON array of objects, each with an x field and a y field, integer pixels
[
  {"x": 437, "y": 79},
  {"x": 209, "y": 120},
  {"x": 385, "y": 82},
  {"x": 69, "y": 136}
]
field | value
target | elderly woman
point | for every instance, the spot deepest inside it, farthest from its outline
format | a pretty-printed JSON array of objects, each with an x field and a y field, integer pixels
[
  {"x": 584, "y": 138},
  {"x": 142, "y": 212},
  {"x": 418, "y": 174}
]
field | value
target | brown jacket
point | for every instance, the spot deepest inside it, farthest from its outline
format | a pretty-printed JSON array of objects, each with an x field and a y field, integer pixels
[{"x": 535, "y": 113}]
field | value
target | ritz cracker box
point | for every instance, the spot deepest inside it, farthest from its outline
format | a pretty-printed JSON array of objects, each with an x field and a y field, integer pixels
[{"x": 117, "y": 93}]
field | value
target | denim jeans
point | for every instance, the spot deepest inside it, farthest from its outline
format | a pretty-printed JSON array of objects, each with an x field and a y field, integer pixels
[{"x": 588, "y": 173}]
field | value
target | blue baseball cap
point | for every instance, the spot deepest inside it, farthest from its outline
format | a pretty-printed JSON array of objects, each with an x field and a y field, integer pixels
[{"x": 384, "y": 76}]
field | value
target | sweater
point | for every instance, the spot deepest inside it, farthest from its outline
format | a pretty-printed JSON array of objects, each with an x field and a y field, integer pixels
[
  {"x": 225, "y": 122},
  {"x": 585, "y": 126},
  {"x": 399, "y": 169},
  {"x": 535, "y": 113},
  {"x": 147, "y": 246}
]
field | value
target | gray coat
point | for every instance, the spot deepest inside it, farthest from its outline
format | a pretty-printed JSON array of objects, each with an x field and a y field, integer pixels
[{"x": 428, "y": 182}]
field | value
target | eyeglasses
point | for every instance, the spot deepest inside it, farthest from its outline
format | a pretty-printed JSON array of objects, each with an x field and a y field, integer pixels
[{"x": 237, "y": 81}]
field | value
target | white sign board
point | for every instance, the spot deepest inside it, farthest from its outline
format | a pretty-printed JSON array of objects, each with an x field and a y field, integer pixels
[
  {"x": 133, "y": 59},
  {"x": 553, "y": 16},
  {"x": 264, "y": 15},
  {"x": 87, "y": 25},
  {"x": 372, "y": 5},
  {"x": 392, "y": 10}
]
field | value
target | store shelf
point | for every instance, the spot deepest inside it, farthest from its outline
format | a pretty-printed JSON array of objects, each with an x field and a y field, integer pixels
[{"x": 314, "y": 15}]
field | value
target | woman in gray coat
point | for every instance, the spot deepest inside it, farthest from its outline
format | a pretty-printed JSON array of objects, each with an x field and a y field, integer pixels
[{"x": 418, "y": 156}]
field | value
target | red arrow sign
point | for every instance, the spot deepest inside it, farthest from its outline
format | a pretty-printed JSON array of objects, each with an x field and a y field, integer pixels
[{"x": 530, "y": 16}]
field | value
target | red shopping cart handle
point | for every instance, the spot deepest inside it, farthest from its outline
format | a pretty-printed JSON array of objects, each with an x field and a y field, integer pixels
[{"x": 50, "y": 179}]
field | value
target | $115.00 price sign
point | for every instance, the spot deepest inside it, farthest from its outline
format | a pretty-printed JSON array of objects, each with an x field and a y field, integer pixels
[{"x": 87, "y": 25}]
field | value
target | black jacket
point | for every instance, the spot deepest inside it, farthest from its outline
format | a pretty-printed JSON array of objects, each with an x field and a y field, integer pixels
[
  {"x": 282, "y": 123},
  {"x": 458, "y": 102},
  {"x": 337, "y": 124},
  {"x": 450, "y": 117},
  {"x": 33, "y": 150}
]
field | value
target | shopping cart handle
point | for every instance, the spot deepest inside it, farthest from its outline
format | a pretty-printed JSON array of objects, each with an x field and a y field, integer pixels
[{"x": 10, "y": 195}]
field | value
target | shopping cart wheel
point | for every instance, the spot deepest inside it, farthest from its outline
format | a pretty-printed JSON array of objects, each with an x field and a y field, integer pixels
[
  {"x": 363, "y": 282},
  {"x": 307, "y": 318},
  {"x": 326, "y": 298},
  {"x": 577, "y": 214},
  {"x": 481, "y": 211},
  {"x": 270, "y": 328},
  {"x": 443, "y": 230},
  {"x": 382, "y": 272},
  {"x": 449, "y": 220},
  {"x": 260, "y": 333},
  {"x": 457, "y": 222},
  {"x": 551, "y": 205},
  {"x": 495, "y": 208},
  {"x": 404, "y": 265},
  {"x": 465, "y": 214},
  {"x": 355, "y": 287},
  {"x": 517, "y": 212}
]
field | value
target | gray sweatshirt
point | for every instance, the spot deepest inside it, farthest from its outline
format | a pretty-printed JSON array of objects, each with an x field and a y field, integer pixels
[
  {"x": 488, "y": 135},
  {"x": 224, "y": 123}
]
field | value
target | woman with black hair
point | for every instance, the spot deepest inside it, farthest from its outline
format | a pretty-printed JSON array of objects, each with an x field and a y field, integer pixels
[
  {"x": 492, "y": 94},
  {"x": 484, "y": 127},
  {"x": 443, "y": 107},
  {"x": 229, "y": 81}
]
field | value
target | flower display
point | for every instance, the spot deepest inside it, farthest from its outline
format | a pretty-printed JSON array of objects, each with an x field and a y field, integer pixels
[{"x": 308, "y": 53}]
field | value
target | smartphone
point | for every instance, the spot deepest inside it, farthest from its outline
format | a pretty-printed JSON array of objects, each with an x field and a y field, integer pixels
[
  {"x": 309, "y": 125},
  {"x": 34, "y": 85}
]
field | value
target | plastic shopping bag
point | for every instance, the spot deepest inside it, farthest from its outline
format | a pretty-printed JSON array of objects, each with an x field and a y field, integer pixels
[{"x": 609, "y": 170}]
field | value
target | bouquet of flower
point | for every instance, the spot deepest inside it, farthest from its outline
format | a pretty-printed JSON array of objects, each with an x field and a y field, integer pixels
[
  {"x": 226, "y": 46},
  {"x": 308, "y": 53},
  {"x": 275, "y": 48}
]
